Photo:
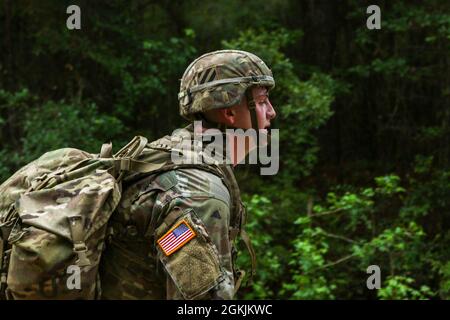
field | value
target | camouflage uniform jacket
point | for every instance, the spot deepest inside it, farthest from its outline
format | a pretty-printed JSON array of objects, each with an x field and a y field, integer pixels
[{"x": 134, "y": 266}]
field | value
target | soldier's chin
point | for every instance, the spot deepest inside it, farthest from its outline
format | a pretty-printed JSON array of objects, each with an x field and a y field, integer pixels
[
  {"x": 264, "y": 137},
  {"x": 265, "y": 131}
]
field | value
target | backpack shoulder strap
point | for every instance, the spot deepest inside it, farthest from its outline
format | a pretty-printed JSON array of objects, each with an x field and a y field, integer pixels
[{"x": 238, "y": 214}]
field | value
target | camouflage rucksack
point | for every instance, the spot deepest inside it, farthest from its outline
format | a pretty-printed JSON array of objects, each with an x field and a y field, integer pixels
[
  {"x": 53, "y": 220},
  {"x": 54, "y": 214}
]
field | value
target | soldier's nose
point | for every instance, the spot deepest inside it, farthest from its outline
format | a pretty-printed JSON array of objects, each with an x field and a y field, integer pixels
[{"x": 271, "y": 114}]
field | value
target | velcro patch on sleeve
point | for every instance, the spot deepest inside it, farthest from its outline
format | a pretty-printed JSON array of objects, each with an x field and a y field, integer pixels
[{"x": 176, "y": 237}]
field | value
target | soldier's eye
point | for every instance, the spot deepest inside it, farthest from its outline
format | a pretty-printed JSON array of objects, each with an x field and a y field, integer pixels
[{"x": 262, "y": 101}]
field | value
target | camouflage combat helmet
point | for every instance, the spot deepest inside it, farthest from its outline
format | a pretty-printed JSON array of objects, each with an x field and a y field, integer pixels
[{"x": 220, "y": 79}]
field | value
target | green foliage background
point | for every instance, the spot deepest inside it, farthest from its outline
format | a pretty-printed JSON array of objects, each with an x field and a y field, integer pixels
[{"x": 363, "y": 114}]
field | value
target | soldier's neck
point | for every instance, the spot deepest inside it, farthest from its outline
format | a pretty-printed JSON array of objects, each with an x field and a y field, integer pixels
[{"x": 237, "y": 144}]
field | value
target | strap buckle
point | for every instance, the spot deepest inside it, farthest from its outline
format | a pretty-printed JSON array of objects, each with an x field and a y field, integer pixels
[
  {"x": 125, "y": 164},
  {"x": 79, "y": 246},
  {"x": 81, "y": 250}
]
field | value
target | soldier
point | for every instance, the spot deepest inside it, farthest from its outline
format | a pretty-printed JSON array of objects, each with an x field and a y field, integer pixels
[{"x": 173, "y": 234}]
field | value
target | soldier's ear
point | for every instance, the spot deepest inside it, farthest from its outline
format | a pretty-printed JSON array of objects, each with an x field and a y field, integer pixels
[{"x": 228, "y": 116}]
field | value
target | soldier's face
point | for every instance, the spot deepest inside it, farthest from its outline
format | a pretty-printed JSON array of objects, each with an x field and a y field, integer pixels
[{"x": 264, "y": 111}]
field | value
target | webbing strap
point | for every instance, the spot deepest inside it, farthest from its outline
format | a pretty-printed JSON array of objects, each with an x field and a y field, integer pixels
[
  {"x": 237, "y": 283},
  {"x": 76, "y": 224},
  {"x": 133, "y": 148},
  {"x": 2, "y": 267},
  {"x": 238, "y": 218},
  {"x": 128, "y": 164},
  {"x": 231, "y": 183},
  {"x": 126, "y": 155},
  {"x": 106, "y": 151},
  {"x": 4, "y": 261},
  {"x": 2, "y": 250},
  {"x": 234, "y": 232},
  {"x": 248, "y": 244}
]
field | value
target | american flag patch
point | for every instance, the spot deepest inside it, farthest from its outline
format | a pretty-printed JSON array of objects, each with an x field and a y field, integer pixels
[{"x": 176, "y": 237}]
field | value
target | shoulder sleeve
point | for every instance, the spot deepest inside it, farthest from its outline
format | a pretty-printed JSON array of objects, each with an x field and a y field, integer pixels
[{"x": 192, "y": 236}]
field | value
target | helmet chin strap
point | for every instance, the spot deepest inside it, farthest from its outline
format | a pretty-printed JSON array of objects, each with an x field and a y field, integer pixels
[
  {"x": 251, "y": 105},
  {"x": 253, "y": 117}
]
